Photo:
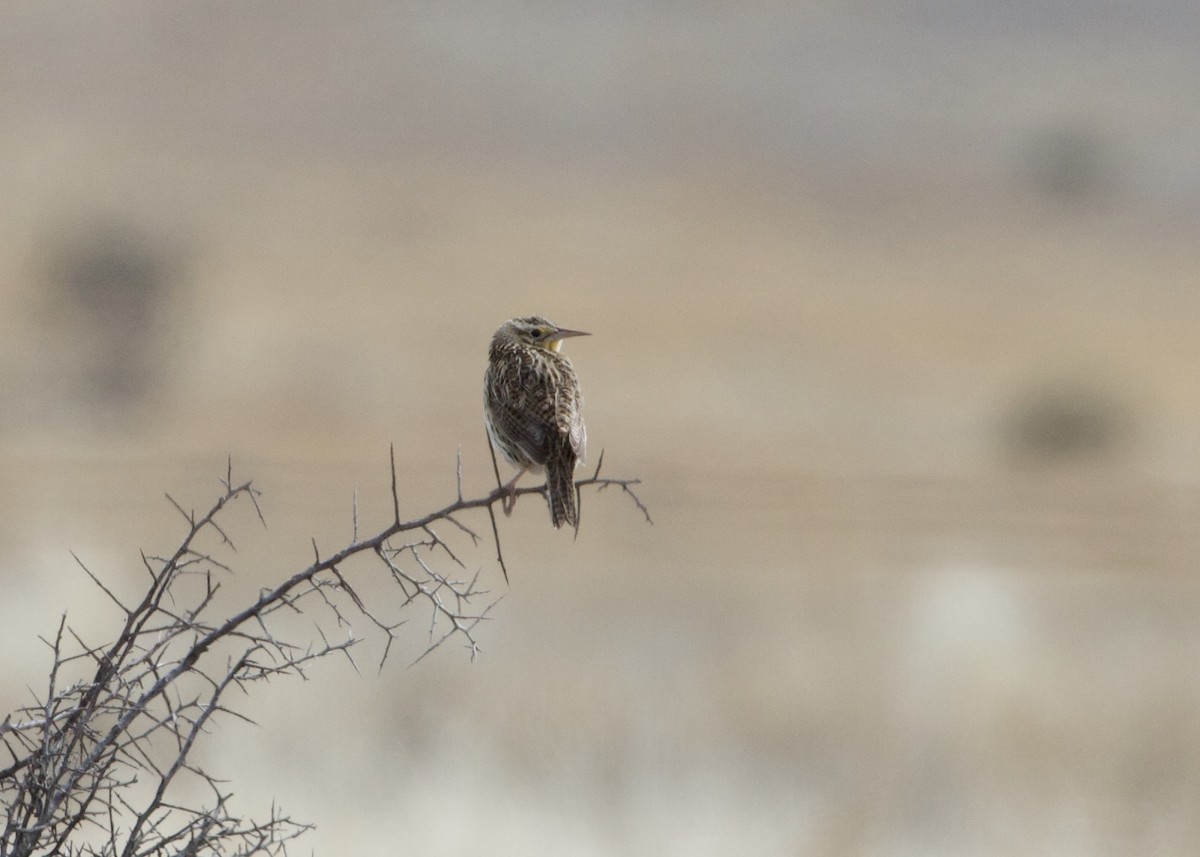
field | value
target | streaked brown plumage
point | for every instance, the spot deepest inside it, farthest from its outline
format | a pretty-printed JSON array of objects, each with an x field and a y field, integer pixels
[{"x": 531, "y": 402}]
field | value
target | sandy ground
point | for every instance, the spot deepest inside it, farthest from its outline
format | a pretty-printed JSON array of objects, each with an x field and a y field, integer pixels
[{"x": 920, "y": 433}]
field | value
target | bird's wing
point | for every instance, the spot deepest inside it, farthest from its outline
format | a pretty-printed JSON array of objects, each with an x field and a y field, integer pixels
[
  {"x": 579, "y": 437},
  {"x": 567, "y": 415},
  {"x": 522, "y": 428}
]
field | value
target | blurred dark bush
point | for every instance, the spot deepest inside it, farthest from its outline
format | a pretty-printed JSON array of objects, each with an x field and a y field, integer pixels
[
  {"x": 1065, "y": 421},
  {"x": 1071, "y": 162},
  {"x": 108, "y": 286}
]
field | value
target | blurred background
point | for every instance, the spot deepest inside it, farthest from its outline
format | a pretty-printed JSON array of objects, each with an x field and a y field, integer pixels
[{"x": 895, "y": 309}]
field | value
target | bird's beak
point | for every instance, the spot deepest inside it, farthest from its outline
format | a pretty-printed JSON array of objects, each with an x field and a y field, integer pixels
[{"x": 562, "y": 333}]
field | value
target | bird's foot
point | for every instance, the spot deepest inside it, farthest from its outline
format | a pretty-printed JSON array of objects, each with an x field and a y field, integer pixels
[{"x": 509, "y": 501}]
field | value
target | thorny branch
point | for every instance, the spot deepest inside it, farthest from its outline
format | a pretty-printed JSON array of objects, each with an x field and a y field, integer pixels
[{"x": 128, "y": 713}]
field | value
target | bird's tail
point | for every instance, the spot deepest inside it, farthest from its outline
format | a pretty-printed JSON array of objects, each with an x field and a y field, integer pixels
[{"x": 560, "y": 490}]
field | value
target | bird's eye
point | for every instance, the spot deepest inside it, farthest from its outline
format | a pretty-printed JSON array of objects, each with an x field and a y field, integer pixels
[{"x": 537, "y": 333}]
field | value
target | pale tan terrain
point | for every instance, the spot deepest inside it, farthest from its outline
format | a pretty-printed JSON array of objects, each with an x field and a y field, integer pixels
[{"x": 915, "y": 405}]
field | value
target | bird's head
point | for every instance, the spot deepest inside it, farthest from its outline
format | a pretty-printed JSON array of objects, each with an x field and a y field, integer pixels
[{"x": 537, "y": 332}]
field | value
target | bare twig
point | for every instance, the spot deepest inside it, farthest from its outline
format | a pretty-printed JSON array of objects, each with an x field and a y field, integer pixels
[
  {"x": 492, "y": 512},
  {"x": 133, "y": 710}
]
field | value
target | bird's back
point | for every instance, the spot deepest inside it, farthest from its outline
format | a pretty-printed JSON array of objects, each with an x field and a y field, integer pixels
[{"x": 533, "y": 402}]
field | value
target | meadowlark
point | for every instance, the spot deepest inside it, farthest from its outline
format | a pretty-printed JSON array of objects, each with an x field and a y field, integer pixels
[{"x": 531, "y": 402}]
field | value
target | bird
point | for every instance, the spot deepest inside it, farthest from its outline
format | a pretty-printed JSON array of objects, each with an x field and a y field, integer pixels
[{"x": 531, "y": 404}]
